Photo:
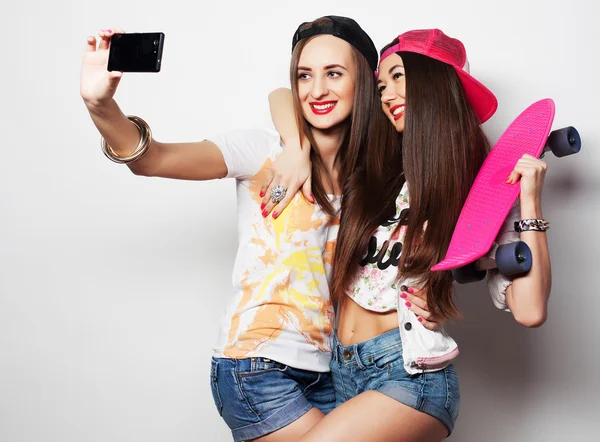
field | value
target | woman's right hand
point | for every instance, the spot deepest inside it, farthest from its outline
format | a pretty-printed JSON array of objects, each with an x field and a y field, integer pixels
[{"x": 97, "y": 84}]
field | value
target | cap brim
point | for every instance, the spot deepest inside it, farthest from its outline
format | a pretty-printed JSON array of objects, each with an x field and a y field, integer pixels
[{"x": 481, "y": 99}]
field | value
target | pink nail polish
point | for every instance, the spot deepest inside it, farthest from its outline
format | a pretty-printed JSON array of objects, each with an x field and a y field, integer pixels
[
  {"x": 264, "y": 213},
  {"x": 262, "y": 194},
  {"x": 262, "y": 206},
  {"x": 312, "y": 197},
  {"x": 275, "y": 214},
  {"x": 109, "y": 30},
  {"x": 403, "y": 295},
  {"x": 408, "y": 304},
  {"x": 410, "y": 290},
  {"x": 420, "y": 319}
]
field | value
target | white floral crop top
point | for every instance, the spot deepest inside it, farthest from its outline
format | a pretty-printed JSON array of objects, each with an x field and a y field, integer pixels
[{"x": 376, "y": 285}]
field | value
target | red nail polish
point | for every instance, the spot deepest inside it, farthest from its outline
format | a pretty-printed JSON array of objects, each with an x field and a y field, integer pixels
[
  {"x": 410, "y": 290},
  {"x": 262, "y": 206},
  {"x": 420, "y": 319},
  {"x": 408, "y": 304},
  {"x": 264, "y": 213},
  {"x": 403, "y": 296},
  {"x": 262, "y": 193},
  {"x": 275, "y": 214}
]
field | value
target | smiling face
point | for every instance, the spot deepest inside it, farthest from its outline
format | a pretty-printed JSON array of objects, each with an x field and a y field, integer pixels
[
  {"x": 391, "y": 84},
  {"x": 325, "y": 79}
]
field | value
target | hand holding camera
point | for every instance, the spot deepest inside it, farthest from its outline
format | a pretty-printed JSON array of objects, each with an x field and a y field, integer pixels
[{"x": 110, "y": 54}]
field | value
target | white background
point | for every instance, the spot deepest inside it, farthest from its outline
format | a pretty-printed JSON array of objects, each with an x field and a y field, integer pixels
[{"x": 111, "y": 285}]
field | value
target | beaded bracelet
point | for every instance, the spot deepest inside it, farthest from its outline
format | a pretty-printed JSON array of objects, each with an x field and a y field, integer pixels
[{"x": 538, "y": 225}]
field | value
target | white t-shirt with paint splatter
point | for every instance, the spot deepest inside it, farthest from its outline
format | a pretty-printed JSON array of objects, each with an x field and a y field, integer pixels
[{"x": 280, "y": 307}]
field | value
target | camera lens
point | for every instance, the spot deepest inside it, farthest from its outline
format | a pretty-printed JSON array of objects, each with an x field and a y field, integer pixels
[{"x": 155, "y": 42}]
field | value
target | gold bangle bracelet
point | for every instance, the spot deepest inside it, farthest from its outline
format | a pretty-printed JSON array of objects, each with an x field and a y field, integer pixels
[{"x": 140, "y": 150}]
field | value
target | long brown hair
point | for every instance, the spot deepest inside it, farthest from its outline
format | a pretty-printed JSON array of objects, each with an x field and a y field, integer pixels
[
  {"x": 357, "y": 125},
  {"x": 438, "y": 155}
]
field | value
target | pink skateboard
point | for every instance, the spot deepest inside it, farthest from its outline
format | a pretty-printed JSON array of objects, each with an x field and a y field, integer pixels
[{"x": 490, "y": 198}]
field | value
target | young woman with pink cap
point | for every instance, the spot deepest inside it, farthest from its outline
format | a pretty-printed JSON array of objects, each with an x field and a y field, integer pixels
[{"x": 392, "y": 363}]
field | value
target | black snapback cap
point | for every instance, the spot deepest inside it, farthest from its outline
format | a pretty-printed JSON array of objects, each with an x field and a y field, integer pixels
[{"x": 346, "y": 29}]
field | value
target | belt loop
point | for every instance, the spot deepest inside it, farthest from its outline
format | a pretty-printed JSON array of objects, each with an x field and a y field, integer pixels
[{"x": 357, "y": 357}]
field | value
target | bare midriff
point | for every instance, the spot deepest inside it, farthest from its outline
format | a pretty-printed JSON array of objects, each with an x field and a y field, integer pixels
[{"x": 356, "y": 324}]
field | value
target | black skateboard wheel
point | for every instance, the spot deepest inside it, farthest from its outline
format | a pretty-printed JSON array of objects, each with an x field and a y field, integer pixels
[
  {"x": 514, "y": 258},
  {"x": 468, "y": 274},
  {"x": 565, "y": 141}
]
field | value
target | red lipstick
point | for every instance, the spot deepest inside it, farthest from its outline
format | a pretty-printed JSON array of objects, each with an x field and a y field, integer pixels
[
  {"x": 324, "y": 107},
  {"x": 393, "y": 108}
]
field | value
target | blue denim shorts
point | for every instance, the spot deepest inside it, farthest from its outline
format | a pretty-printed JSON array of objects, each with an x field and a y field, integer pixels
[
  {"x": 377, "y": 365},
  {"x": 257, "y": 396}
]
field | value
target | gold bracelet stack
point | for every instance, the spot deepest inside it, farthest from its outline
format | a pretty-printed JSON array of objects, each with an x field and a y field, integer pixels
[{"x": 140, "y": 150}]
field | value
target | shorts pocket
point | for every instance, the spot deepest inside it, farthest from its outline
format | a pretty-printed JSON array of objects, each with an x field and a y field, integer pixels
[
  {"x": 268, "y": 386},
  {"x": 260, "y": 366},
  {"x": 387, "y": 360},
  {"x": 452, "y": 391},
  {"x": 214, "y": 385}
]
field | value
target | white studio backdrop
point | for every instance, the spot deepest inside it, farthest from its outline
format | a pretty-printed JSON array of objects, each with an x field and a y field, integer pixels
[{"x": 112, "y": 285}]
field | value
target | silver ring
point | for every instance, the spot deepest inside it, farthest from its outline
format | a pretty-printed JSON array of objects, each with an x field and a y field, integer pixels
[{"x": 278, "y": 193}]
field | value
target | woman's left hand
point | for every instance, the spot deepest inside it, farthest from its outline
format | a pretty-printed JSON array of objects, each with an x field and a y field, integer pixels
[
  {"x": 531, "y": 171},
  {"x": 416, "y": 301},
  {"x": 292, "y": 170}
]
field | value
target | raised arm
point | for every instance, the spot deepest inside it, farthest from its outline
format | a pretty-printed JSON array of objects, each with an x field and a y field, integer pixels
[
  {"x": 191, "y": 161},
  {"x": 292, "y": 169},
  {"x": 527, "y": 296}
]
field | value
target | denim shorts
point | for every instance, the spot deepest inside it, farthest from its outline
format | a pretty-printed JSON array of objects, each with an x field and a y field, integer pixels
[
  {"x": 377, "y": 365},
  {"x": 257, "y": 396}
]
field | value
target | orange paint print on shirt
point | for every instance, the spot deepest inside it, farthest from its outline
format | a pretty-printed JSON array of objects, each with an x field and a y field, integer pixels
[
  {"x": 280, "y": 307},
  {"x": 282, "y": 291}
]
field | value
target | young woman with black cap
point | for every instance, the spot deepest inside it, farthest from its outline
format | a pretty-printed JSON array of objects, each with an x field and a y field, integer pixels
[
  {"x": 270, "y": 372},
  {"x": 392, "y": 362}
]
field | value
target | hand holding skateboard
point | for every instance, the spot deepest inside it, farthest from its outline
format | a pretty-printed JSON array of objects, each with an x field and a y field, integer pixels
[{"x": 495, "y": 190}]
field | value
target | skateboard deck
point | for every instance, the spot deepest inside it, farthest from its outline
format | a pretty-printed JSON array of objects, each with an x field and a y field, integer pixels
[{"x": 490, "y": 198}]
